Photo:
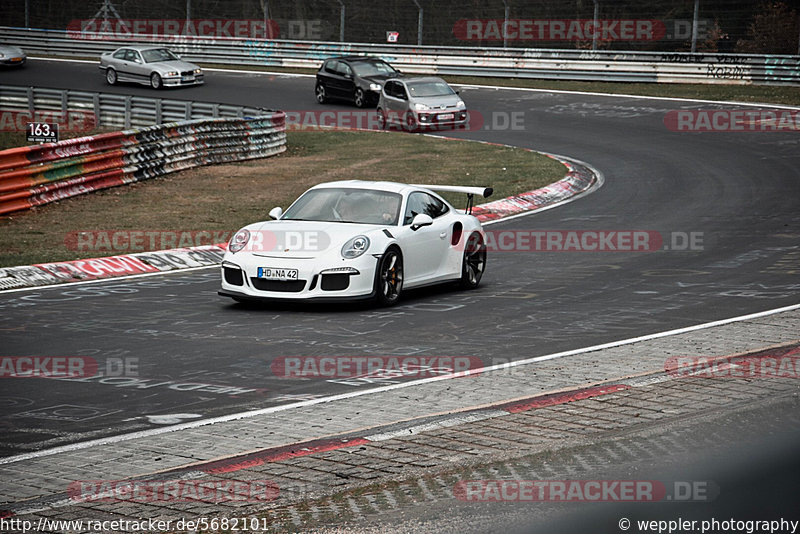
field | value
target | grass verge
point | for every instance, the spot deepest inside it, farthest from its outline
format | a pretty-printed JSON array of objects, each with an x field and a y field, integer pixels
[{"x": 227, "y": 197}]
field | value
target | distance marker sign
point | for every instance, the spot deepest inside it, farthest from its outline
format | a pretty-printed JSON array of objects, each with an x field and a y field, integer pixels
[{"x": 42, "y": 132}]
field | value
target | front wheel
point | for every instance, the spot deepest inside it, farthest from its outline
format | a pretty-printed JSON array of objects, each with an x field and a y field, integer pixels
[
  {"x": 474, "y": 263},
  {"x": 321, "y": 94},
  {"x": 381, "y": 119},
  {"x": 411, "y": 122},
  {"x": 359, "y": 98},
  {"x": 155, "y": 81},
  {"x": 389, "y": 278}
]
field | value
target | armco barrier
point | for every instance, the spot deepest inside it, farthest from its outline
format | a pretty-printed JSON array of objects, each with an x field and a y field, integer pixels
[
  {"x": 589, "y": 65},
  {"x": 35, "y": 175},
  {"x": 107, "y": 109}
]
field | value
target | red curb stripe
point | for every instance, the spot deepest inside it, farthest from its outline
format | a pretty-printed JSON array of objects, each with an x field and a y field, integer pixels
[
  {"x": 563, "y": 398},
  {"x": 279, "y": 453},
  {"x": 297, "y": 450}
]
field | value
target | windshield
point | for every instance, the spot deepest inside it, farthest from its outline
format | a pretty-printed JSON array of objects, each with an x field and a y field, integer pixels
[
  {"x": 158, "y": 54},
  {"x": 373, "y": 68},
  {"x": 364, "y": 206},
  {"x": 430, "y": 88}
]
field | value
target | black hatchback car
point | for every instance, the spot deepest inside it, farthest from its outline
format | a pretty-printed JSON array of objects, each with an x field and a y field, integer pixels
[{"x": 358, "y": 79}]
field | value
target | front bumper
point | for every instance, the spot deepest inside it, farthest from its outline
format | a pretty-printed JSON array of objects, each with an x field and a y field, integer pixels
[
  {"x": 14, "y": 61},
  {"x": 348, "y": 280},
  {"x": 178, "y": 81},
  {"x": 441, "y": 118}
]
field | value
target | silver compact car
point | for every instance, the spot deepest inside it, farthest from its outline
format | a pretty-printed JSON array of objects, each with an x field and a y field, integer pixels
[
  {"x": 12, "y": 55},
  {"x": 420, "y": 103},
  {"x": 155, "y": 66}
]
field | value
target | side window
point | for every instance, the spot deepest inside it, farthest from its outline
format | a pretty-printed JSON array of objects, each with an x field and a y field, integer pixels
[
  {"x": 423, "y": 203},
  {"x": 120, "y": 54},
  {"x": 330, "y": 66},
  {"x": 133, "y": 56},
  {"x": 345, "y": 70},
  {"x": 401, "y": 91}
]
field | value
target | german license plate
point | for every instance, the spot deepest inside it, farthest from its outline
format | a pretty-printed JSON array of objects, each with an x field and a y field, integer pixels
[
  {"x": 446, "y": 117},
  {"x": 187, "y": 79},
  {"x": 271, "y": 273}
]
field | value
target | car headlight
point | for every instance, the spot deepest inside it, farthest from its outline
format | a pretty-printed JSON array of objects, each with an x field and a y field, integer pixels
[
  {"x": 461, "y": 104},
  {"x": 198, "y": 71},
  {"x": 421, "y": 107},
  {"x": 355, "y": 247},
  {"x": 375, "y": 87},
  {"x": 239, "y": 241},
  {"x": 172, "y": 73}
]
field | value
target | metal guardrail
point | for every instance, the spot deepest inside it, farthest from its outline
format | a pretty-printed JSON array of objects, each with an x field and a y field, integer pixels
[
  {"x": 113, "y": 110},
  {"x": 586, "y": 65}
]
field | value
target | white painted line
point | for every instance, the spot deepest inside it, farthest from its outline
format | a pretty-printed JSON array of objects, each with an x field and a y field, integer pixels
[
  {"x": 625, "y": 95},
  {"x": 353, "y": 394},
  {"x": 434, "y": 425}
]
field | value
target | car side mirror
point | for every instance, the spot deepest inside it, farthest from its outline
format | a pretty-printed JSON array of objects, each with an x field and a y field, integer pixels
[
  {"x": 458, "y": 92},
  {"x": 275, "y": 213},
  {"x": 421, "y": 220}
]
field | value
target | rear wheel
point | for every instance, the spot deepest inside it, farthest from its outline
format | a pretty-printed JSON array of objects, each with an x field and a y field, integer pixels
[
  {"x": 111, "y": 76},
  {"x": 389, "y": 278},
  {"x": 155, "y": 81},
  {"x": 474, "y": 263}
]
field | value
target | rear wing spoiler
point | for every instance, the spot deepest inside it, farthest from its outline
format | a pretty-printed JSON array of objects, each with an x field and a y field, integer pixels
[{"x": 484, "y": 192}]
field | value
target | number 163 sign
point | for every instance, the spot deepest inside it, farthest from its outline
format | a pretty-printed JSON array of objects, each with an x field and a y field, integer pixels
[{"x": 42, "y": 132}]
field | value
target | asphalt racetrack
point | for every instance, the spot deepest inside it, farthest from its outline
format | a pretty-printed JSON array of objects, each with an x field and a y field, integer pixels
[{"x": 197, "y": 355}]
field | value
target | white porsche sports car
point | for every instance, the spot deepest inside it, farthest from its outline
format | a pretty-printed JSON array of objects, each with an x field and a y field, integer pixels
[{"x": 357, "y": 240}]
